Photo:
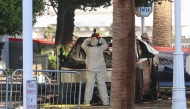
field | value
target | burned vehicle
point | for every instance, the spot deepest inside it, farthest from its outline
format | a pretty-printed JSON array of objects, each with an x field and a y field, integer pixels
[{"x": 146, "y": 71}]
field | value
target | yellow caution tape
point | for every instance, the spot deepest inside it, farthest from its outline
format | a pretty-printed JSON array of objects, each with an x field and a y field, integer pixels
[{"x": 48, "y": 105}]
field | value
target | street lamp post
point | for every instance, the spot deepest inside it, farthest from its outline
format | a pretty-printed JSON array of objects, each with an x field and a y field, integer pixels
[
  {"x": 178, "y": 89},
  {"x": 27, "y": 46},
  {"x": 142, "y": 25}
]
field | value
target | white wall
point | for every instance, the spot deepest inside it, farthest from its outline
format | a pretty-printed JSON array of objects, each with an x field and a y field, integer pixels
[{"x": 5, "y": 52}]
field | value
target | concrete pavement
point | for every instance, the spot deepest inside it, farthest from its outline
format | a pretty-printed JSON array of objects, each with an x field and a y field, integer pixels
[{"x": 161, "y": 104}]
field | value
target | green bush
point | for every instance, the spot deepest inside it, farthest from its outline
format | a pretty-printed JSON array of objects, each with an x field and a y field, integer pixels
[{"x": 9, "y": 72}]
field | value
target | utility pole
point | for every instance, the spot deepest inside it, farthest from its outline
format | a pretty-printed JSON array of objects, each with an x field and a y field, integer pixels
[
  {"x": 178, "y": 89},
  {"x": 27, "y": 46}
]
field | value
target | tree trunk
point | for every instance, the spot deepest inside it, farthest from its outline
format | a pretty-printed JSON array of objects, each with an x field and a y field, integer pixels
[
  {"x": 123, "y": 58},
  {"x": 62, "y": 10},
  {"x": 68, "y": 27},
  {"x": 162, "y": 24}
]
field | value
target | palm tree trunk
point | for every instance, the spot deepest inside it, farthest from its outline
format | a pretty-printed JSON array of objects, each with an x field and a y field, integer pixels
[
  {"x": 123, "y": 58},
  {"x": 162, "y": 24}
]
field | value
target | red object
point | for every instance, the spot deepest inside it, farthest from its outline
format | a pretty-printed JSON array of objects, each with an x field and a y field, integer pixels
[
  {"x": 97, "y": 35},
  {"x": 40, "y": 41},
  {"x": 170, "y": 49}
]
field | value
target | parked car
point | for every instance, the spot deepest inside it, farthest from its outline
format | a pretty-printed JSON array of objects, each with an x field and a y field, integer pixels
[
  {"x": 146, "y": 72},
  {"x": 165, "y": 69}
]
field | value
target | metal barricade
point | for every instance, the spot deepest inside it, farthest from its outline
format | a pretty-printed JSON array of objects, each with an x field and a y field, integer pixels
[
  {"x": 4, "y": 89},
  {"x": 56, "y": 89}
]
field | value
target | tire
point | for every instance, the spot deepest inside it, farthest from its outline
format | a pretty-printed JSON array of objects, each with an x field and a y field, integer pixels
[{"x": 139, "y": 85}]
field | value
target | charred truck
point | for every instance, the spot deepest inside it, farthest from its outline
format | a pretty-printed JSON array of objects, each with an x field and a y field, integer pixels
[{"x": 147, "y": 77}]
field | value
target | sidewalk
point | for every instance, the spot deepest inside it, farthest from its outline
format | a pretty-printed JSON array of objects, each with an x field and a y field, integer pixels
[
  {"x": 163, "y": 104},
  {"x": 144, "y": 105}
]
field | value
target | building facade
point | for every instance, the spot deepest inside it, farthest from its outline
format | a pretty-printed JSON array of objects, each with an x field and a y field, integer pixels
[{"x": 102, "y": 19}]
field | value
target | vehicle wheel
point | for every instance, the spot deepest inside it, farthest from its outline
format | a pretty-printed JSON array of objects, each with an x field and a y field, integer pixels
[
  {"x": 155, "y": 83},
  {"x": 139, "y": 85}
]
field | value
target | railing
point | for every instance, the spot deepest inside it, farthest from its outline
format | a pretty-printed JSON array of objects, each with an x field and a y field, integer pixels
[
  {"x": 184, "y": 42},
  {"x": 56, "y": 89},
  {"x": 4, "y": 89}
]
